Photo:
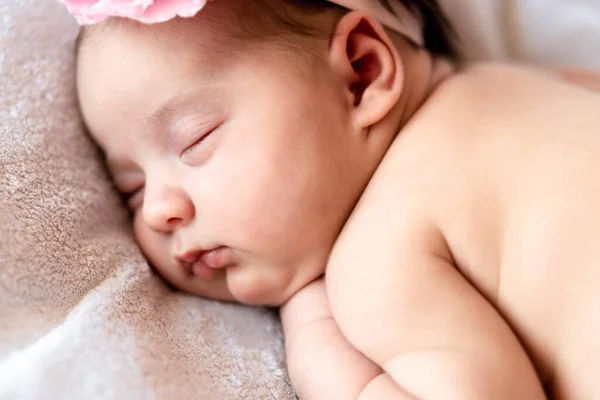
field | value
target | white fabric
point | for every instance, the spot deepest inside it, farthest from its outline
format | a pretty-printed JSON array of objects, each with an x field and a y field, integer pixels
[{"x": 546, "y": 32}]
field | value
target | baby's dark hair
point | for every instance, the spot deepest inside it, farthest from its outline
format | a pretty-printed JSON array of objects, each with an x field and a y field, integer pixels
[
  {"x": 440, "y": 37},
  {"x": 438, "y": 33}
]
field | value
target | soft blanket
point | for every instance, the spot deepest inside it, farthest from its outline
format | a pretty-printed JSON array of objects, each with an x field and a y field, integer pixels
[{"x": 553, "y": 33}]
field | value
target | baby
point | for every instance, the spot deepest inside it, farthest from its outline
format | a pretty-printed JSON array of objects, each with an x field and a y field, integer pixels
[{"x": 453, "y": 211}]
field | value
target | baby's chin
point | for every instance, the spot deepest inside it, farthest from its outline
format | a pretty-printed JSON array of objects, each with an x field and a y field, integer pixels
[
  {"x": 261, "y": 289},
  {"x": 241, "y": 285},
  {"x": 208, "y": 290}
]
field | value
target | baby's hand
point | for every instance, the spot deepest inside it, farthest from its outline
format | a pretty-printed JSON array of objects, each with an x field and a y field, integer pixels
[{"x": 321, "y": 362}]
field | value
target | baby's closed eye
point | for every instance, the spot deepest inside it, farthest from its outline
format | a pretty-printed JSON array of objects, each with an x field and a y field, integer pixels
[{"x": 196, "y": 144}]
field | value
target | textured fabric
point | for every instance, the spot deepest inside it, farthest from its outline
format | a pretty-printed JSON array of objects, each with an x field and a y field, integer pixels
[
  {"x": 553, "y": 33},
  {"x": 81, "y": 314},
  {"x": 557, "y": 32}
]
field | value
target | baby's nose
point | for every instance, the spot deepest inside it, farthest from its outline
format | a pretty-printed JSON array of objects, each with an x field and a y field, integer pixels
[{"x": 165, "y": 208}]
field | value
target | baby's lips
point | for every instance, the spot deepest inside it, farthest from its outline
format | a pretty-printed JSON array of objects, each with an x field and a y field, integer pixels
[
  {"x": 202, "y": 271},
  {"x": 209, "y": 262},
  {"x": 189, "y": 257},
  {"x": 216, "y": 258}
]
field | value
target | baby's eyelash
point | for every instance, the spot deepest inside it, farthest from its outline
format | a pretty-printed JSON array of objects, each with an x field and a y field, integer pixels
[{"x": 199, "y": 141}]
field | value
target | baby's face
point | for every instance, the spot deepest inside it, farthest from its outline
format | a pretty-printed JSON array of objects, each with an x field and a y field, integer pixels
[{"x": 236, "y": 161}]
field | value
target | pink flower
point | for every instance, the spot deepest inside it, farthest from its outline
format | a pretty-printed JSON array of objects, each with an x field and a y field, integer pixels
[{"x": 146, "y": 11}]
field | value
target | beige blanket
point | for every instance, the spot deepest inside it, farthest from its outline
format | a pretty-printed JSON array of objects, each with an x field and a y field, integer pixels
[{"x": 81, "y": 314}]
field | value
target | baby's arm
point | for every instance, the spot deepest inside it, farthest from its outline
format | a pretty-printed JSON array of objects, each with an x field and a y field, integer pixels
[
  {"x": 582, "y": 77},
  {"x": 398, "y": 298},
  {"x": 321, "y": 362}
]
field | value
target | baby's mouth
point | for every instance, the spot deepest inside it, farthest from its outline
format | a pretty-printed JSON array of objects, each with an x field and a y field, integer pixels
[{"x": 204, "y": 263}]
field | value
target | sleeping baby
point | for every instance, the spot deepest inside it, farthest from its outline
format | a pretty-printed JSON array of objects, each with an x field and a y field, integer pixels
[{"x": 428, "y": 227}]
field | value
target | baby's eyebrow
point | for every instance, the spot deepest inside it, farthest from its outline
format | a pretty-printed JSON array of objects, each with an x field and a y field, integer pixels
[
  {"x": 167, "y": 107},
  {"x": 178, "y": 102}
]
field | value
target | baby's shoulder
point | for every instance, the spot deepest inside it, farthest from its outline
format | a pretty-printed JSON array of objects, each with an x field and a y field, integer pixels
[
  {"x": 499, "y": 76},
  {"x": 491, "y": 71},
  {"x": 482, "y": 104},
  {"x": 493, "y": 88}
]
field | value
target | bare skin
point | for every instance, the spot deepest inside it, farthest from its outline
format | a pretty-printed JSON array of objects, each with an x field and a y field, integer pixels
[
  {"x": 490, "y": 216},
  {"x": 449, "y": 279}
]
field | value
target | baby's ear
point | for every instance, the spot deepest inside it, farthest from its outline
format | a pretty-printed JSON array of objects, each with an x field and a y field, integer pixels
[{"x": 366, "y": 58}]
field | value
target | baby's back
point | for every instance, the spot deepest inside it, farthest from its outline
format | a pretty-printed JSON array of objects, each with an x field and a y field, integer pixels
[{"x": 507, "y": 161}]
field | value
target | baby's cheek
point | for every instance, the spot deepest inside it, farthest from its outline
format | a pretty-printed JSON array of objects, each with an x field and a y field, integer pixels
[
  {"x": 157, "y": 253},
  {"x": 216, "y": 288},
  {"x": 151, "y": 243}
]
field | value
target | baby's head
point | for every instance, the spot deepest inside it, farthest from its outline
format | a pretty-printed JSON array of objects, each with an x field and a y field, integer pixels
[{"x": 243, "y": 137}]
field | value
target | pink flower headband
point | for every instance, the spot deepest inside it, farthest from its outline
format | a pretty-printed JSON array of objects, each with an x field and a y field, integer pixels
[
  {"x": 147, "y": 11},
  {"x": 154, "y": 11}
]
